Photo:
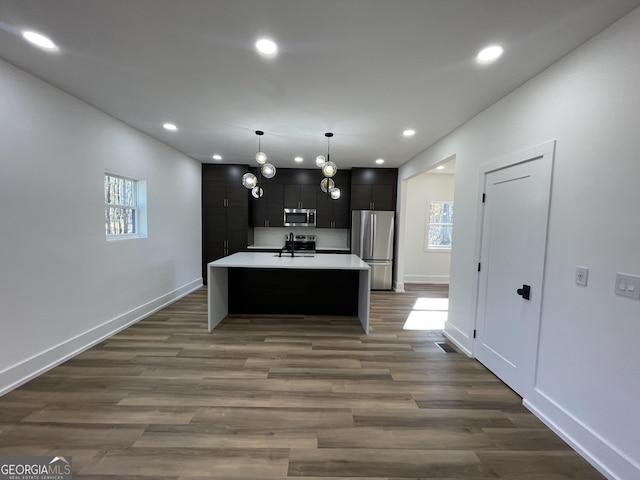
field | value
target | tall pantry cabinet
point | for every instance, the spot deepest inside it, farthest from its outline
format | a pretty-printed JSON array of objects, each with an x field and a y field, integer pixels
[{"x": 225, "y": 212}]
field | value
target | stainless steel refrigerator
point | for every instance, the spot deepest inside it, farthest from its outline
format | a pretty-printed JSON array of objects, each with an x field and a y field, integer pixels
[{"x": 372, "y": 241}]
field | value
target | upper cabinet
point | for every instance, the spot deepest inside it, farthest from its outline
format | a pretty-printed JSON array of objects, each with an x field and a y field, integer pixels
[
  {"x": 268, "y": 210},
  {"x": 374, "y": 188},
  {"x": 300, "y": 196},
  {"x": 335, "y": 213},
  {"x": 300, "y": 186}
]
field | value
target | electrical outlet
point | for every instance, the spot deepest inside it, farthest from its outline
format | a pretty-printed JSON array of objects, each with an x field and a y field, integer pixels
[
  {"x": 582, "y": 274},
  {"x": 628, "y": 285}
]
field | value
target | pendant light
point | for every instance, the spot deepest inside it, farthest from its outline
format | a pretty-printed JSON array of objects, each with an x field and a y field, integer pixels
[
  {"x": 267, "y": 170},
  {"x": 261, "y": 157},
  {"x": 329, "y": 169}
]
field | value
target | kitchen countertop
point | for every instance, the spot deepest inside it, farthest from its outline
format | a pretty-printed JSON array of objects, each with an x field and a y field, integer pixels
[{"x": 323, "y": 261}]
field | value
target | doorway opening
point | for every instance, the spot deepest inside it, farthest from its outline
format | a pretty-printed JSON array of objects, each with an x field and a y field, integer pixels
[{"x": 428, "y": 229}]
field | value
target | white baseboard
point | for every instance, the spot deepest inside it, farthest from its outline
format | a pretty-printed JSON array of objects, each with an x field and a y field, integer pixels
[
  {"x": 20, "y": 373},
  {"x": 455, "y": 339},
  {"x": 440, "y": 279},
  {"x": 604, "y": 456}
]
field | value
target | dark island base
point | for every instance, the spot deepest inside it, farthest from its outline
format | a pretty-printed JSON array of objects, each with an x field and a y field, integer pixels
[{"x": 293, "y": 291}]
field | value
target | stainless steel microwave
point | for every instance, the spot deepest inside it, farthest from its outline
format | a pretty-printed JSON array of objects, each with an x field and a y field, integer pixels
[{"x": 299, "y": 217}]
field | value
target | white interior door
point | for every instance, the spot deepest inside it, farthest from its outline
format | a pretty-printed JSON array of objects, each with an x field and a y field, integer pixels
[{"x": 512, "y": 262}]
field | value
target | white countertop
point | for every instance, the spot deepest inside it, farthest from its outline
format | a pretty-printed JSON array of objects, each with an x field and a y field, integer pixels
[{"x": 321, "y": 261}]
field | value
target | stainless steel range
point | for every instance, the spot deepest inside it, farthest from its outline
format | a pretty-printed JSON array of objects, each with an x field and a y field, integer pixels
[{"x": 299, "y": 245}]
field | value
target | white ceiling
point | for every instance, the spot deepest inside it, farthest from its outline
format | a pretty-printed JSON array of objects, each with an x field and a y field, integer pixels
[{"x": 362, "y": 69}]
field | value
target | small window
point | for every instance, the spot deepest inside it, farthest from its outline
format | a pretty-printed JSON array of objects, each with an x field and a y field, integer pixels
[
  {"x": 439, "y": 226},
  {"x": 122, "y": 206}
]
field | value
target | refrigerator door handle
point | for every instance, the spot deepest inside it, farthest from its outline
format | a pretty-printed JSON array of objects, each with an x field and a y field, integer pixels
[{"x": 373, "y": 234}]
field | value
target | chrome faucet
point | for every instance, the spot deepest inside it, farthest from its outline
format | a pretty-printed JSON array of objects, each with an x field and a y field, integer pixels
[{"x": 291, "y": 242}]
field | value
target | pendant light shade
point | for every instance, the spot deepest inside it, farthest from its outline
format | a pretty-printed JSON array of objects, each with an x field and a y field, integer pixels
[
  {"x": 257, "y": 192},
  {"x": 249, "y": 180},
  {"x": 327, "y": 184},
  {"x": 261, "y": 158},
  {"x": 329, "y": 169},
  {"x": 335, "y": 193},
  {"x": 268, "y": 170},
  {"x": 320, "y": 160}
]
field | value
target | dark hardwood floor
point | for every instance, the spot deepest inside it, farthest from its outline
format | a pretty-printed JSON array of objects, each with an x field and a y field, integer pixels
[{"x": 282, "y": 397}]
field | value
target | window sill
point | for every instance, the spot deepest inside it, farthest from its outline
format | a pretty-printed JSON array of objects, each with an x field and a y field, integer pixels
[{"x": 117, "y": 238}]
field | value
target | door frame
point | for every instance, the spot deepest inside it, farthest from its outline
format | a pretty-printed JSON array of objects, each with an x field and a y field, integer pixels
[{"x": 546, "y": 149}]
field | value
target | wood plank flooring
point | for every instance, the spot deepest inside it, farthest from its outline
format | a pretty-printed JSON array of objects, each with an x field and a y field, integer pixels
[{"x": 282, "y": 397}]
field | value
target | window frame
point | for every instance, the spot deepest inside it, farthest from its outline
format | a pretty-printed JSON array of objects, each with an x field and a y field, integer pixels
[
  {"x": 429, "y": 224},
  {"x": 138, "y": 209}
]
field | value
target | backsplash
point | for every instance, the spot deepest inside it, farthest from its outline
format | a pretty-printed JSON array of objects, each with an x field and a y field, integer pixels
[{"x": 325, "y": 237}]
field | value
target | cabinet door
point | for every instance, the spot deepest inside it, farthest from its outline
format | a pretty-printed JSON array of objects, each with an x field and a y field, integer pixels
[
  {"x": 214, "y": 193},
  {"x": 342, "y": 209},
  {"x": 236, "y": 218},
  {"x": 324, "y": 210},
  {"x": 237, "y": 195},
  {"x": 292, "y": 196},
  {"x": 383, "y": 197},
  {"x": 274, "y": 194},
  {"x": 308, "y": 195},
  {"x": 236, "y": 240},
  {"x": 361, "y": 197},
  {"x": 258, "y": 212}
]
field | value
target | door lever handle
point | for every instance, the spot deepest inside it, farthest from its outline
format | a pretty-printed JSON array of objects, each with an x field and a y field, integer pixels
[{"x": 524, "y": 292}]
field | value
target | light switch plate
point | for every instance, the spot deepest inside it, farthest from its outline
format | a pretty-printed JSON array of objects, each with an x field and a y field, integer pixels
[
  {"x": 628, "y": 285},
  {"x": 582, "y": 274}
]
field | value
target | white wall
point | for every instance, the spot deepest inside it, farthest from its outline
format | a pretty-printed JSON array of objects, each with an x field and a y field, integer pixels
[
  {"x": 62, "y": 285},
  {"x": 423, "y": 266},
  {"x": 587, "y": 385}
]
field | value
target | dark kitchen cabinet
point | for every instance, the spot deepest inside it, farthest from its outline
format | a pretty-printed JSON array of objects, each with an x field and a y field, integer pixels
[
  {"x": 225, "y": 212},
  {"x": 373, "y": 188},
  {"x": 300, "y": 195},
  {"x": 335, "y": 213},
  {"x": 268, "y": 210}
]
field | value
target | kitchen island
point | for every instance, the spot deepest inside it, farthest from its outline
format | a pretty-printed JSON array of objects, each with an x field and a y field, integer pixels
[{"x": 254, "y": 283}]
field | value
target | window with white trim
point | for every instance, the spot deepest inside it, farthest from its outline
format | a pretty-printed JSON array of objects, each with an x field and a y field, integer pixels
[
  {"x": 122, "y": 206},
  {"x": 439, "y": 226}
]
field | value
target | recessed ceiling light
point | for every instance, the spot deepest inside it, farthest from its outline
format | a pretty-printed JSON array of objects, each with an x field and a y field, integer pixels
[
  {"x": 267, "y": 47},
  {"x": 380, "y": 161},
  {"x": 39, "y": 40},
  {"x": 217, "y": 157},
  {"x": 489, "y": 54},
  {"x": 170, "y": 126},
  {"x": 440, "y": 167},
  {"x": 409, "y": 132},
  {"x": 298, "y": 159}
]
